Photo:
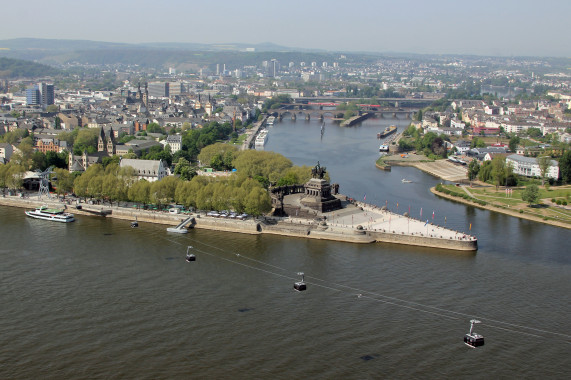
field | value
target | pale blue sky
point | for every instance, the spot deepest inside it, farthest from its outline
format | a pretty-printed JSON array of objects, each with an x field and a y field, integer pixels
[{"x": 483, "y": 27}]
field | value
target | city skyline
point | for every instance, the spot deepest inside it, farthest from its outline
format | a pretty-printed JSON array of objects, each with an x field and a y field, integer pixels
[{"x": 506, "y": 28}]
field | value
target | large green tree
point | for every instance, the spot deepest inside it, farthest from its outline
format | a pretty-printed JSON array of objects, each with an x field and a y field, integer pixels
[
  {"x": 219, "y": 156},
  {"x": 267, "y": 165},
  {"x": 86, "y": 140},
  {"x": 565, "y": 167},
  {"x": 514, "y": 141},
  {"x": 473, "y": 169},
  {"x": 530, "y": 194},
  {"x": 63, "y": 181},
  {"x": 499, "y": 170},
  {"x": 544, "y": 162}
]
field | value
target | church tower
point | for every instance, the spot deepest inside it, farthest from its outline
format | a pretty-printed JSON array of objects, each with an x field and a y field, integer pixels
[
  {"x": 111, "y": 143},
  {"x": 101, "y": 141}
]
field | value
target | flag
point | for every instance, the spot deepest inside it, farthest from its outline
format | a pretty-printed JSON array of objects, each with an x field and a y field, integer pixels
[
  {"x": 409, "y": 210},
  {"x": 421, "y": 212},
  {"x": 444, "y": 219},
  {"x": 426, "y": 222},
  {"x": 364, "y": 197},
  {"x": 470, "y": 226},
  {"x": 432, "y": 214}
]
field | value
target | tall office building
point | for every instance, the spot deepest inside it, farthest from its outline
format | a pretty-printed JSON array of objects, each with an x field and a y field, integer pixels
[
  {"x": 159, "y": 89},
  {"x": 176, "y": 88},
  {"x": 33, "y": 96},
  {"x": 41, "y": 94},
  {"x": 274, "y": 68},
  {"x": 47, "y": 93}
]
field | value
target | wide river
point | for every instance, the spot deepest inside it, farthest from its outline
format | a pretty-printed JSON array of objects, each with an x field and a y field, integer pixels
[{"x": 96, "y": 299}]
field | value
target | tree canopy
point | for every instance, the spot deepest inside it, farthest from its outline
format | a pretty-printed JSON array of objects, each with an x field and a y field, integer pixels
[{"x": 530, "y": 194}]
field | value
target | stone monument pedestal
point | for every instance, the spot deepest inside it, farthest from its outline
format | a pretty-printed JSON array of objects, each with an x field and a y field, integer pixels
[{"x": 318, "y": 196}]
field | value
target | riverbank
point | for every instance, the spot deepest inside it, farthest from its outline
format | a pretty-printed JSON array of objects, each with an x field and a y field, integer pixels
[
  {"x": 357, "y": 223},
  {"x": 442, "y": 169},
  {"x": 501, "y": 210}
]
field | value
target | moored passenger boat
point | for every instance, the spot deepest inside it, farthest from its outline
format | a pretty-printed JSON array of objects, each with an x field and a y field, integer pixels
[
  {"x": 387, "y": 132},
  {"x": 56, "y": 215},
  {"x": 262, "y": 138}
]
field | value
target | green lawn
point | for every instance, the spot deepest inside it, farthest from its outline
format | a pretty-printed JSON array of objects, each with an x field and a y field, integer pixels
[{"x": 498, "y": 198}]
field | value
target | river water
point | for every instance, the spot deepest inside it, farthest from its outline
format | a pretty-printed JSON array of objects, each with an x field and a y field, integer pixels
[{"x": 98, "y": 299}]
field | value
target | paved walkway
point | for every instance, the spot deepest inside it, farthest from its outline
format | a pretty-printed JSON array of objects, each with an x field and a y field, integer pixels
[
  {"x": 444, "y": 169},
  {"x": 373, "y": 218}
]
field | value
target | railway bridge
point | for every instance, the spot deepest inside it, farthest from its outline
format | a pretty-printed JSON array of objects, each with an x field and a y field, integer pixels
[{"x": 307, "y": 113}]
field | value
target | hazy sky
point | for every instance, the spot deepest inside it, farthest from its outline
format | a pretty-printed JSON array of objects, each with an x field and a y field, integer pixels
[{"x": 484, "y": 27}]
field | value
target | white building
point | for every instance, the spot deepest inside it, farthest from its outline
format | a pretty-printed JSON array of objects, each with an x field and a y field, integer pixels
[
  {"x": 528, "y": 166},
  {"x": 175, "y": 142},
  {"x": 462, "y": 146},
  {"x": 457, "y": 124},
  {"x": 150, "y": 170},
  {"x": 517, "y": 127}
]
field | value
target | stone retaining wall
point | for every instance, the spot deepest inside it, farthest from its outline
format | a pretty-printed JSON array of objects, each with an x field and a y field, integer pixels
[
  {"x": 424, "y": 241},
  {"x": 252, "y": 227}
]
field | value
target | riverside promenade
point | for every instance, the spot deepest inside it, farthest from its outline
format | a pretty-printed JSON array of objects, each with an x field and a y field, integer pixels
[{"x": 356, "y": 222}]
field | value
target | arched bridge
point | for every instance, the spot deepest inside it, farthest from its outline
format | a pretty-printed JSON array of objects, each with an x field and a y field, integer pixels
[{"x": 307, "y": 114}]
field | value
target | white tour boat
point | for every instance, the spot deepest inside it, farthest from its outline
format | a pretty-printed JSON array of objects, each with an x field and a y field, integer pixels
[
  {"x": 261, "y": 138},
  {"x": 56, "y": 215}
]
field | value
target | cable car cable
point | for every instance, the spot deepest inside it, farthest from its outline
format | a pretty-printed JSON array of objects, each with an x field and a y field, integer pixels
[{"x": 375, "y": 294}]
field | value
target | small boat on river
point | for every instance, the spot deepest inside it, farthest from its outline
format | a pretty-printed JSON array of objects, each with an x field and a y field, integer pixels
[{"x": 55, "y": 215}]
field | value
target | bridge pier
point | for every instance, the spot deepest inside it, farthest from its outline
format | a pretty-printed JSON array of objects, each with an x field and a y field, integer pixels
[
  {"x": 307, "y": 117},
  {"x": 293, "y": 116},
  {"x": 394, "y": 115},
  {"x": 280, "y": 116},
  {"x": 321, "y": 117}
]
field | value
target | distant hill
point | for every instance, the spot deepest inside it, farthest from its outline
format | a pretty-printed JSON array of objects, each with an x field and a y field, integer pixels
[
  {"x": 17, "y": 68},
  {"x": 56, "y": 52}
]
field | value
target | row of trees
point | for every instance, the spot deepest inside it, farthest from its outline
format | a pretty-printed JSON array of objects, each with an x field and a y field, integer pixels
[
  {"x": 115, "y": 184},
  {"x": 245, "y": 191}
]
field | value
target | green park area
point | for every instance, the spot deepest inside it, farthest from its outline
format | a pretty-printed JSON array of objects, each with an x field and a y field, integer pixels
[{"x": 550, "y": 204}]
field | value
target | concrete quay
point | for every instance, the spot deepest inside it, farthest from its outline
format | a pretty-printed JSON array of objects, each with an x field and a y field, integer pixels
[{"x": 354, "y": 223}]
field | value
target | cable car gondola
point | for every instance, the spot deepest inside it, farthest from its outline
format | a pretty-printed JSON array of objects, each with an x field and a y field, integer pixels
[
  {"x": 473, "y": 339},
  {"x": 189, "y": 256},
  {"x": 300, "y": 286}
]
